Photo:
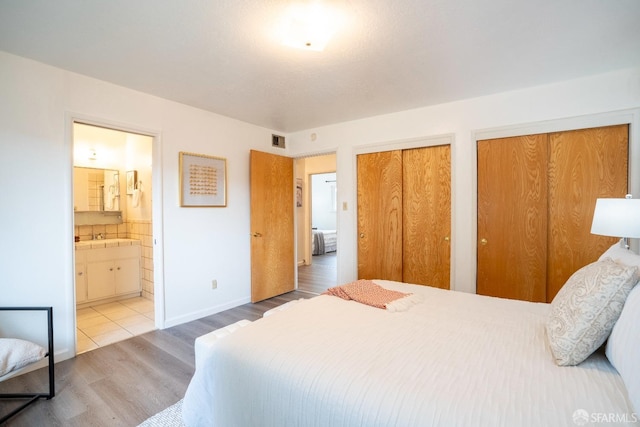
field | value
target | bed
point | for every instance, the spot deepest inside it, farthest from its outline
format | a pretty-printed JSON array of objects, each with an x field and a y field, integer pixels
[
  {"x": 452, "y": 359},
  {"x": 324, "y": 241}
]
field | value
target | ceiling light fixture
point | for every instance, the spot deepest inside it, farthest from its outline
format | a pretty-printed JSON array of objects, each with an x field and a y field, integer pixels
[{"x": 310, "y": 25}]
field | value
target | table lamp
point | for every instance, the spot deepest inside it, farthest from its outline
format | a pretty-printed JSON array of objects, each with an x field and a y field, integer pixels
[{"x": 617, "y": 217}]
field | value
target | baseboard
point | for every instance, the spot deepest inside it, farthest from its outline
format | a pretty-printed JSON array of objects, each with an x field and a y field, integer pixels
[{"x": 174, "y": 321}]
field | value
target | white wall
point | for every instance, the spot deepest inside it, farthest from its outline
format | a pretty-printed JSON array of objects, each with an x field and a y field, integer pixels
[
  {"x": 587, "y": 102},
  {"x": 323, "y": 209},
  {"x": 198, "y": 244}
]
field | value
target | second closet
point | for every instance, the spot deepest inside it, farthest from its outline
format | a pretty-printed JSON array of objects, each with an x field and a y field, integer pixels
[
  {"x": 536, "y": 197},
  {"x": 404, "y": 215}
]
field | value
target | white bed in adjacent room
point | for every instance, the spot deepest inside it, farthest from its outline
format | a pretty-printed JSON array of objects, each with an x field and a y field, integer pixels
[
  {"x": 324, "y": 241},
  {"x": 454, "y": 359}
]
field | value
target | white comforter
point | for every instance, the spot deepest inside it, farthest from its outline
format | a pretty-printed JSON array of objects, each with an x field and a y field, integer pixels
[{"x": 455, "y": 359}]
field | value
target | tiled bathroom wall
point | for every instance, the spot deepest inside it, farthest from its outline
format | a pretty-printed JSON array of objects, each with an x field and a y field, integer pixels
[
  {"x": 109, "y": 231},
  {"x": 142, "y": 230},
  {"x": 135, "y": 229}
]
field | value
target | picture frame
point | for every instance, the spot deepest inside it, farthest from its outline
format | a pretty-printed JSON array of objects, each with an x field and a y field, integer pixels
[
  {"x": 132, "y": 180},
  {"x": 203, "y": 180},
  {"x": 299, "y": 192}
]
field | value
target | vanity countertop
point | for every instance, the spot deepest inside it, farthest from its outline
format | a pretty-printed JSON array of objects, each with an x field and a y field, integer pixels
[{"x": 105, "y": 243}]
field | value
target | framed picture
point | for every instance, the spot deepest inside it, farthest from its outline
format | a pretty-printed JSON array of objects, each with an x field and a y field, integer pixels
[
  {"x": 203, "y": 180},
  {"x": 132, "y": 179},
  {"x": 299, "y": 192}
]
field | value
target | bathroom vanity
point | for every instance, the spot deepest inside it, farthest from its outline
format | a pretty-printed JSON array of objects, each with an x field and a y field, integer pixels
[{"x": 107, "y": 270}]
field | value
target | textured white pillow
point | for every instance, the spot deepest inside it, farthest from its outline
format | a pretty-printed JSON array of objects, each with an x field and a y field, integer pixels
[
  {"x": 586, "y": 308},
  {"x": 623, "y": 347},
  {"x": 16, "y": 353}
]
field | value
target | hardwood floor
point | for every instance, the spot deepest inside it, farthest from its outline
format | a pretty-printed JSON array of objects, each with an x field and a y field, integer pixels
[
  {"x": 124, "y": 383},
  {"x": 320, "y": 275}
]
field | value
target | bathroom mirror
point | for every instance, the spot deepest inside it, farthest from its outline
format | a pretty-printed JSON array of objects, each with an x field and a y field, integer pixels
[
  {"x": 96, "y": 196},
  {"x": 96, "y": 190}
]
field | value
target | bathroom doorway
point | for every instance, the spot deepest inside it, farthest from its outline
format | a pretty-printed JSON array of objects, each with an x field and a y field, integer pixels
[{"x": 114, "y": 280}]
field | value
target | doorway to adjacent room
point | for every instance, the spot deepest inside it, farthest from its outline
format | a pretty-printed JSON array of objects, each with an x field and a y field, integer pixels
[{"x": 316, "y": 215}]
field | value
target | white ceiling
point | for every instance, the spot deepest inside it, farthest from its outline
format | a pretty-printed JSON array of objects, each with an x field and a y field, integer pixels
[{"x": 221, "y": 55}]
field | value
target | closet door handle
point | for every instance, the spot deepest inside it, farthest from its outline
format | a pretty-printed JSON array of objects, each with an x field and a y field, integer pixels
[
  {"x": 362, "y": 235},
  {"x": 256, "y": 234},
  {"x": 483, "y": 242},
  {"x": 446, "y": 239}
]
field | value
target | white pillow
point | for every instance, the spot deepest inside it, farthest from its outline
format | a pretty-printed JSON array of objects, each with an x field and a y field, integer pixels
[
  {"x": 623, "y": 347},
  {"x": 622, "y": 255},
  {"x": 16, "y": 353},
  {"x": 586, "y": 308}
]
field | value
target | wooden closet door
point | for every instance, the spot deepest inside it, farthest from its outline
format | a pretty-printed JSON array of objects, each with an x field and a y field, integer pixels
[
  {"x": 426, "y": 224},
  {"x": 512, "y": 217},
  {"x": 379, "y": 194},
  {"x": 583, "y": 165}
]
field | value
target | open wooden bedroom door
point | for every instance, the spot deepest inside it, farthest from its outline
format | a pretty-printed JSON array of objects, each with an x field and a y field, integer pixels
[{"x": 272, "y": 225}]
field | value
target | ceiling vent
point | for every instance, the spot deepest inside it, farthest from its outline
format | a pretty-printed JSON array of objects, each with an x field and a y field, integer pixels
[{"x": 277, "y": 141}]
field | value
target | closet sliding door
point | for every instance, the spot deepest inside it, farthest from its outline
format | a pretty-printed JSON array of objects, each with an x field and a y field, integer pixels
[
  {"x": 426, "y": 225},
  {"x": 584, "y": 165},
  {"x": 404, "y": 215},
  {"x": 380, "y": 215},
  {"x": 536, "y": 196},
  {"x": 512, "y": 217}
]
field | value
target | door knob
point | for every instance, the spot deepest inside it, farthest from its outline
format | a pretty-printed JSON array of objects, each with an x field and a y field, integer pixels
[
  {"x": 362, "y": 235},
  {"x": 256, "y": 234},
  {"x": 483, "y": 242},
  {"x": 446, "y": 239}
]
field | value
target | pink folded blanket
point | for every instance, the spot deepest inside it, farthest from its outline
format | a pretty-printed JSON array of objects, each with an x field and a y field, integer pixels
[{"x": 369, "y": 293}]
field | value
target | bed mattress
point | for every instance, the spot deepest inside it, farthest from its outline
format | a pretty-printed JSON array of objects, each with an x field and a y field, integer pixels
[
  {"x": 324, "y": 241},
  {"x": 455, "y": 359}
]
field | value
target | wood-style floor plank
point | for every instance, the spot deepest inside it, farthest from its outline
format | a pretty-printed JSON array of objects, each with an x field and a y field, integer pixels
[
  {"x": 125, "y": 383},
  {"x": 321, "y": 275}
]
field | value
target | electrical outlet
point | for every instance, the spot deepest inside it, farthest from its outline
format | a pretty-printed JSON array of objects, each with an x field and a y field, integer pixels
[{"x": 214, "y": 284}]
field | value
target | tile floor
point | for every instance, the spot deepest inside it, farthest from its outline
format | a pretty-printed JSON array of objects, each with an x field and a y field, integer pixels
[{"x": 105, "y": 324}]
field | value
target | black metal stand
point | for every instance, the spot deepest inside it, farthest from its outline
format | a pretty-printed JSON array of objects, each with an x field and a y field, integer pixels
[{"x": 33, "y": 397}]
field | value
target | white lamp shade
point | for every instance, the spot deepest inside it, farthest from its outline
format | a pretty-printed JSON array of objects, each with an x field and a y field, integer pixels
[{"x": 617, "y": 217}]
